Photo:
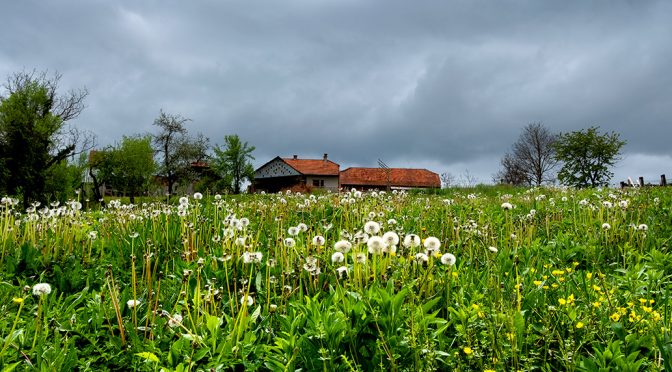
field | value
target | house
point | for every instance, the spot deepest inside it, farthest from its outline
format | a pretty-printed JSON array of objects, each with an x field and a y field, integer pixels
[
  {"x": 287, "y": 173},
  {"x": 381, "y": 178}
]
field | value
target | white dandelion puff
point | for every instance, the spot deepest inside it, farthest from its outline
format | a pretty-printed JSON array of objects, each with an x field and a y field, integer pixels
[
  {"x": 411, "y": 241},
  {"x": 372, "y": 227},
  {"x": 448, "y": 259},
  {"x": 375, "y": 245},
  {"x": 41, "y": 289},
  {"x": 337, "y": 257},
  {"x": 432, "y": 244},
  {"x": 391, "y": 238},
  {"x": 343, "y": 246},
  {"x": 318, "y": 240}
]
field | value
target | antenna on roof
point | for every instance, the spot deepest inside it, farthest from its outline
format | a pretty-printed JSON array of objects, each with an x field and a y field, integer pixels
[{"x": 387, "y": 173}]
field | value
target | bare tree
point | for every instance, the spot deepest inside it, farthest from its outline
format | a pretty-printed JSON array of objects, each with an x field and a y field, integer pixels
[
  {"x": 447, "y": 179},
  {"x": 467, "y": 179},
  {"x": 178, "y": 151},
  {"x": 511, "y": 172},
  {"x": 532, "y": 159},
  {"x": 168, "y": 143}
]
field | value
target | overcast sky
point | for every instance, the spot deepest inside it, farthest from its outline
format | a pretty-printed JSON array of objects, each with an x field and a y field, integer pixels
[{"x": 445, "y": 85}]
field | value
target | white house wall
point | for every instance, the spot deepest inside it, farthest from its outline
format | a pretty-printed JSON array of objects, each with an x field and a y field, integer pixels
[{"x": 330, "y": 182}]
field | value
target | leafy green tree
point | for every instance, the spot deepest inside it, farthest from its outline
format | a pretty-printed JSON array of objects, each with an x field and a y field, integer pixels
[
  {"x": 65, "y": 178},
  {"x": 586, "y": 156},
  {"x": 177, "y": 151},
  {"x": 34, "y": 134},
  {"x": 128, "y": 167},
  {"x": 233, "y": 162}
]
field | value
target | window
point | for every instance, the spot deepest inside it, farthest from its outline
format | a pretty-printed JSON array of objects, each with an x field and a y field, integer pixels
[{"x": 318, "y": 183}]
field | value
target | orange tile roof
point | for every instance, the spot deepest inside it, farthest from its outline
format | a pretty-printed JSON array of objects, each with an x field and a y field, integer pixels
[
  {"x": 313, "y": 167},
  {"x": 399, "y": 177}
]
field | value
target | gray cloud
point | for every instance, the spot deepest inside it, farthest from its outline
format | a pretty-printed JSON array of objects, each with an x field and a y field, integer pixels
[{"x": 445, "y": 84}]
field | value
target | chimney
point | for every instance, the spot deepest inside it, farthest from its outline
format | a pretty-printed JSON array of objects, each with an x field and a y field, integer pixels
[
  {"x": 296, "y": 157},
  {"x": 325, "y": 157}
]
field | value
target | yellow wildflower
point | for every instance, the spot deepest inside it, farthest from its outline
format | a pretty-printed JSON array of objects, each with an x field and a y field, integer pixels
[
  {"x": 467, "y": 350},
  {"x": 562, "y": 301},
  {"x": 17, "y": 300},
  {"x": 589, "y": 275},
  {"x": 579, "y": 325},
  {"x": 537, "y": 282},
  {"x": 615, "y": 317}
]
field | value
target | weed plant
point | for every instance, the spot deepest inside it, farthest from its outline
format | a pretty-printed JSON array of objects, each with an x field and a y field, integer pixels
[{"x": 488, "y": 279}]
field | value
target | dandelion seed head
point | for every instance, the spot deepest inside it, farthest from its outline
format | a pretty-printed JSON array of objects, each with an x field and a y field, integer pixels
[
  {"x": 448, "y": 259},
  {"x": 247, "y": 300},
  {"x": 432, "y": 244},
  {"x": 41, "y": 289},
  {"x": 337, "y": 257},
  {"x": 411, "y": 241},
  {"x": 391, "y": 238},
  {"x": 343, "y": 246},
  {"x": 175, "y": 321},
  {"x": 318, "y": 240},
  {"x": 421, "y": 258},
  {"x": 375, "y": 245},
  {"x": 372, "y": 227},
  {"x": 360, "y": 258}
]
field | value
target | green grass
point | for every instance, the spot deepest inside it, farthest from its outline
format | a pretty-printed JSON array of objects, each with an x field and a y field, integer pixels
[{"x": 216, "y": 283}]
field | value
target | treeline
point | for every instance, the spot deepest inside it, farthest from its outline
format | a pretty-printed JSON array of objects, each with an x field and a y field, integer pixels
[
  {"x": 580, "y": 158},
  {"x": 43, "y": 158}
]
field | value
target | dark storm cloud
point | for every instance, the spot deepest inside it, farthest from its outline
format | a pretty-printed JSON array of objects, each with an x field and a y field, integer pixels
[{"x": 445, "y": 84}]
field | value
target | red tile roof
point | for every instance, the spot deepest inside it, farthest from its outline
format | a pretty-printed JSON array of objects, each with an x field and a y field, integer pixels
[
  {"x": 313, "y": 167},
  {"x": 399, "y": 177}
]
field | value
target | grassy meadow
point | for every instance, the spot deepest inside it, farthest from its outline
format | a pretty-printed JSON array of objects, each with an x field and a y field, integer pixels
[{"x": 488, "y": 279}]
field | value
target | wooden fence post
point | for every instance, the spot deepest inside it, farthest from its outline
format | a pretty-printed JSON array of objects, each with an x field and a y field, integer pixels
[
  {"x": 663, "y": 181},
  {"x": 641, "y": 181}
]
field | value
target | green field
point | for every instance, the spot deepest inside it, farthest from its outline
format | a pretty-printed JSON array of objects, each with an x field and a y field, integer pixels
[{"x": 468, "y": 280}]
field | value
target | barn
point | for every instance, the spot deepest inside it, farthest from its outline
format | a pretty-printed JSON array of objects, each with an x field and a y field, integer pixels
[
  {"x": 287, "y": 173},
  {"x": 381, "y": 178}
]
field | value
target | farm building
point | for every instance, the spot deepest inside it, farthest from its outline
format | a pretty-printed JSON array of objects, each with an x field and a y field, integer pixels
[
  {"x": 304, "y": 174},
  {"x": 396, "y": 178},
  {"x": 287, "y": 173}
]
